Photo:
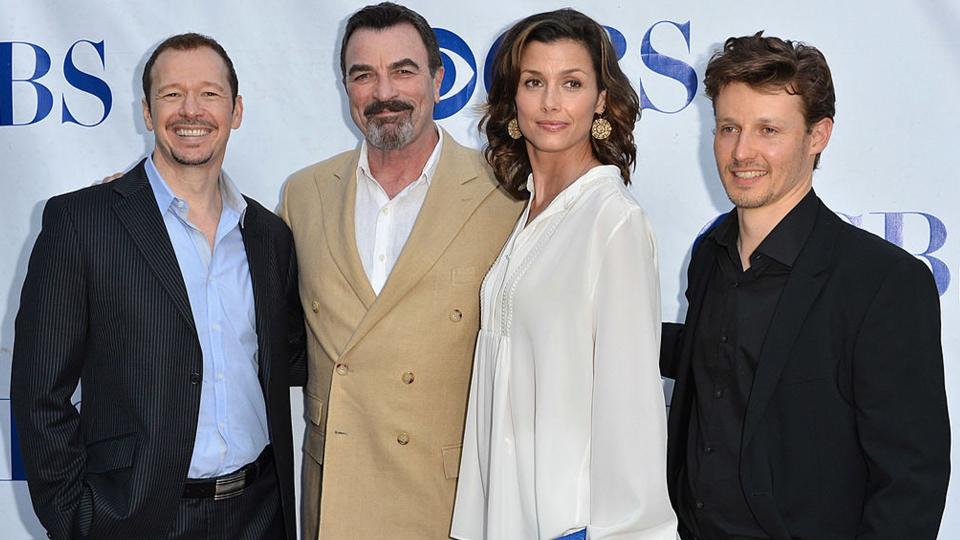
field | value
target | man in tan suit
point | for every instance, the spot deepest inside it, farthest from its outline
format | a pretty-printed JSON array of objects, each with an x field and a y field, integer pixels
[{"x": 393, "y": 240}]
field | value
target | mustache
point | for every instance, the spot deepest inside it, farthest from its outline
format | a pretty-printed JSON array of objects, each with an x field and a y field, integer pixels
[{"x": 391, "y": 105}]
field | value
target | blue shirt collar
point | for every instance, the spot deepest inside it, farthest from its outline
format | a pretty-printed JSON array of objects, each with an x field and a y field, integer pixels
[{"x": 233, "y": 201}]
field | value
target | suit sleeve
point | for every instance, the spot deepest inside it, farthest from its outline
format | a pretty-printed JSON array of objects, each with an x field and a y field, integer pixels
[
  {"x": 48, "y": 353},
  {"x": 295, "y": 324},
  {"x": 902, "y": 408},
  {"x": 628, "y": 483},
  {"x": 671, "y": 338}
]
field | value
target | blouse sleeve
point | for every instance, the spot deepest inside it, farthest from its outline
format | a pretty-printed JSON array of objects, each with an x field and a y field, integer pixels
[{"x": 628, "y": 488}]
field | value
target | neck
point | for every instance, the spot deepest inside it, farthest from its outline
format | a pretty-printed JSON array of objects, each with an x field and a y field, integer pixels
[
  {"x": 756, "y": 223},
  {"x": 555, "y": 171},
  {"x": 397, "y": 169},
  {"x": 198, "y": 185}
]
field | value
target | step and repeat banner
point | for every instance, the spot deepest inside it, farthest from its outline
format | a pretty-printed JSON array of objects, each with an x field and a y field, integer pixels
[{"x": 70, "y": 114}]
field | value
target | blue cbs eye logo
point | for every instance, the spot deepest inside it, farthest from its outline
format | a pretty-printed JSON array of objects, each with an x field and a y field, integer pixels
[{"x": 457, "y": 85}]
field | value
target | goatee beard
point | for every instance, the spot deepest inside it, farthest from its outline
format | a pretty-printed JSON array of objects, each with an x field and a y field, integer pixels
[{"x": 391, "y": 133}]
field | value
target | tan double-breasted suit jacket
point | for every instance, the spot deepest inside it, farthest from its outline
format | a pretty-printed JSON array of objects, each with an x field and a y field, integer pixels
[{"x": 389, "y": 374}]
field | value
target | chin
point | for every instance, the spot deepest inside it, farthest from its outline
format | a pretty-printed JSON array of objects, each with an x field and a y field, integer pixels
[{"x": 193, "y": 161}]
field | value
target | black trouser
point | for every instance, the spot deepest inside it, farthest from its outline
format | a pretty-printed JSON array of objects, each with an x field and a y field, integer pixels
[{"x": 255, "y": 514}]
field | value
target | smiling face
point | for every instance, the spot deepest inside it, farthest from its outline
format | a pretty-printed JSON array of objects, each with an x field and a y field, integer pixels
[
  {"x": 763, "y": 147},
  {"x": 557, "y": 96},
  {"x": 190, "y": 109},
  {"x": 391, "y": 91}
]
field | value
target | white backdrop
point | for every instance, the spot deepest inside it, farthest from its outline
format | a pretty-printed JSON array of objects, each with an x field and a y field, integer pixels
[{"x": 70, "y": 113}]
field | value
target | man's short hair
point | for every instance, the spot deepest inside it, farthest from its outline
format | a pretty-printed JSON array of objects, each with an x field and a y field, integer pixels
[
  {"x": 386, "y": 15},
  {"x": 771, "y": 63},
  {"x": 188, "y": 42}
]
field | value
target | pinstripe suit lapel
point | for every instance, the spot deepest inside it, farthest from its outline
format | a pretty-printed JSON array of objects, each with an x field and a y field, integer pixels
[
  {"x": 138, "y": 212},
  {"x": 258, "y": 259}
]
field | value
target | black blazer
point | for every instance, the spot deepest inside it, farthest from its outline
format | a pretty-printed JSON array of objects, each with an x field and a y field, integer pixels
[
  {"x": 104, "y": 303},
  {"x": 846, "y": 432}
]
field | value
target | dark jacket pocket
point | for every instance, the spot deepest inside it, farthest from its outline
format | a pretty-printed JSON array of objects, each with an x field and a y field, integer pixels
[{"x": 111, "y": 454}]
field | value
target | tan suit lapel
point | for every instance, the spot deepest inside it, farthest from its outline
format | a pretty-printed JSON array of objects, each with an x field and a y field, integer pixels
[
  {"x": 339, "y": 205},
  {"x": 455, "y": 192}
]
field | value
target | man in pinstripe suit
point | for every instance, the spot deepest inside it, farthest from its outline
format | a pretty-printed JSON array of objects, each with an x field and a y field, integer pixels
[{"x": 173, "y": 300}]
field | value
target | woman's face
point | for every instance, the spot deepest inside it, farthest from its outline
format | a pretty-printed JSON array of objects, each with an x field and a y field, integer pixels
[{"x": 557, "y": 96}]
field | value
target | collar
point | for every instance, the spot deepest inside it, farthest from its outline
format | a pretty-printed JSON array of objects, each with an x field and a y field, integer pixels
[
  {"x": 233, "y": 200},
  {"x": 784, "y": 243},
  {"x": 566, "y": 198}
]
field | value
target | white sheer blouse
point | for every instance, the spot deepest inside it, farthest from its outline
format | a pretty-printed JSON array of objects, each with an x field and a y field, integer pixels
[{"x": 566, "y": 425}]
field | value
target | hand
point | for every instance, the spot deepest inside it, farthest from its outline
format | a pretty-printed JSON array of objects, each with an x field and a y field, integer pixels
[{"x": 111, "y": 178}]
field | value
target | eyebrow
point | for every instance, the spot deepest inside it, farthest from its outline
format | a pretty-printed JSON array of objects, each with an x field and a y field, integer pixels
[
  {"x": 727, "y": 119},
  {"x": 562, "y": 73},
  {"x": 406, "y": 62},
  {"x": 204, "y": 84}
]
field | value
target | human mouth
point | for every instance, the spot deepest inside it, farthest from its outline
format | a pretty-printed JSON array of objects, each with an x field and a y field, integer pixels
[
  {"x": 552, "y": 126},
  {"x": 746, "y": 175},
  {"x": 192, "y": 132}
]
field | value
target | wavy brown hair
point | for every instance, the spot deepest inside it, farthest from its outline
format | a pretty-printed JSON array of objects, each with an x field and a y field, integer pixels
[
  {"x": 507, "y": 156},
  {"x": 771, "y": 63}
]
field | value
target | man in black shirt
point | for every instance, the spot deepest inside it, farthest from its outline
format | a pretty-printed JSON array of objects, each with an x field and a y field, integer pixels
[{"x": 809, "y": 399}]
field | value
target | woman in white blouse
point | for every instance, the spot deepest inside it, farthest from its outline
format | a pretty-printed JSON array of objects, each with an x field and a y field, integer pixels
[{"x": 566, "y": 426}]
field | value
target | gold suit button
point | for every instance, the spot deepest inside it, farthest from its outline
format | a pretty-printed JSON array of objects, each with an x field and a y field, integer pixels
[
  {"x": 315, "y": 306},
  {"x": 403, "y": 438},
  {"x": 342, "y": 369},
  {"x": 456, "y": 315},
  {"x": 407, "y": 378}
]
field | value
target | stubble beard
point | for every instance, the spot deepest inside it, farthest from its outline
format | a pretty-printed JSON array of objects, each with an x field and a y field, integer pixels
[
  {"x": 191, "y": 162},
  {"x": 749, "y": 201}
]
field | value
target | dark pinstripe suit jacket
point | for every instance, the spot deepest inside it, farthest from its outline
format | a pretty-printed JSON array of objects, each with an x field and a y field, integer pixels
[{"x": 104, "y": 303}]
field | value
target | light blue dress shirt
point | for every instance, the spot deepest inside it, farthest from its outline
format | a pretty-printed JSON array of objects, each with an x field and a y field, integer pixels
[{"x": 232, "y": 425}]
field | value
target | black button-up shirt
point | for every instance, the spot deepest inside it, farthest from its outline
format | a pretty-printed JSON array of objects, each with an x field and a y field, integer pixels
[{"x": 736, "y": 311}]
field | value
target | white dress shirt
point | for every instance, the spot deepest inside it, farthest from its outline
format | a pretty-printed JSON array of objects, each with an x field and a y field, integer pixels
[
  {"x": 383, "y": 224},
  {"x": 566, "y": 424}
]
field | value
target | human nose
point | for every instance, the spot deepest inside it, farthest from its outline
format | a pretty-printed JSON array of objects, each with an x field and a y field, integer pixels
[
  {"x": 743, "y": 147},
  {"x": 384, "y": 89},
  {"x": 190, "y": 105},
  {"x": 550, "y": 99}
]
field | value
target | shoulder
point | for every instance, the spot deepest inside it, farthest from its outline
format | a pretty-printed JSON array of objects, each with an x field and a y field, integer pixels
[
  {"x": 612, "y": 200},
  {"x": 611, "y": 213},
  {"x": 321, "y": 171},
  {"x": 264, "y": 218},
  {"x": 862, "y": 264},
  {"x": 98, "y": 199},
  {"x": 864, "y": 249},
  {"x": 464, "y": 155},
  {"x": 461, "y": 161}
]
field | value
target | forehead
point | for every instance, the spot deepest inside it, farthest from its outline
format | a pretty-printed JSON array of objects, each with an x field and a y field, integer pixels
[
  {"x": 200, "y": 65},
  {"x": 562, "y": 54},
  {"x": 385, "y": 46},
  {"x": 740, "y": 100}
]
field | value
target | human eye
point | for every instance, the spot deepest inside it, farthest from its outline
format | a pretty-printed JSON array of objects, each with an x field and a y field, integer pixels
[
  {"x": 361, "y": 76},
  {"x": 769, "y": 131},
  {"x": 727, "y": 130},
  {"x": 532, "y": 82},
  {"x": 572, "y": 83}
]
